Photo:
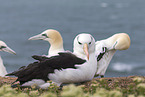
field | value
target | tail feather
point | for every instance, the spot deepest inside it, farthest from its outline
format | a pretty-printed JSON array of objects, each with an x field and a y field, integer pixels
[
  {"x": 10, "y": 74},
  {"x": 16, "y": 72},
  {"x": 40, "y": 58}
]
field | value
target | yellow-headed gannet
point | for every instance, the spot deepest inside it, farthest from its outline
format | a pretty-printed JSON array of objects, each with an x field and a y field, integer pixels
[
  {"x": 54, "y": 38},
  {"x": 66, "y": 67},
  {"x": 4, "y": 47},
  {"x": 105, "y": 50}
]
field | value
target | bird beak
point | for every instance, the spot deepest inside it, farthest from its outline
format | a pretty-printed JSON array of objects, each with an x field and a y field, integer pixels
[
  {"x": 86, "y": 50},
  {"x": 9, "y": 50},
  {"x": 37, "y": 37}
]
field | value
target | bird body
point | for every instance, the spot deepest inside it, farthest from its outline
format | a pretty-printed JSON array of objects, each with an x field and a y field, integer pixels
[
  {"x": 65, "y": 67},
  {"x": 120, "y": 41}
]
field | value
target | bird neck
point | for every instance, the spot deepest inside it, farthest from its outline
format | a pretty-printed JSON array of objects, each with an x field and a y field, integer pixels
[
  {"x": 1, "y": 61},
  {"x": 0, "y": 58},
  {"x": 55, "y": 48},
  {"x": 3, "y": 71}
]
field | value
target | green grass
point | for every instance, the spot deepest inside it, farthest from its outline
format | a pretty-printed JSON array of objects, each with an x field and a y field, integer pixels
[{"x": 100, "y": 87}]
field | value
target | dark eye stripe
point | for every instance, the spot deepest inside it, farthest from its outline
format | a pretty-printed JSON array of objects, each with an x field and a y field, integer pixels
[
  {"x": 2, "y": 47},
  {"x": 45, "y": 35},
  {"x": 80, "y": 43},
  {"x": 78, "y": 40},
  {"x": 91, "y": 40}
]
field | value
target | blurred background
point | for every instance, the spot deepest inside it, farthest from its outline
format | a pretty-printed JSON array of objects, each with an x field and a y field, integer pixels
[{"x": 21, "y": 19}]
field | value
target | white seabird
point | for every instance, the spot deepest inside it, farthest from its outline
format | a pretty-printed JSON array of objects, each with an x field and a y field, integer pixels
[
  {"x": 65, "y": 67},
  {"x": 4, "y": 47},
  {"x": 54, "y": 38},
  {"x": 105, "y": 50}
]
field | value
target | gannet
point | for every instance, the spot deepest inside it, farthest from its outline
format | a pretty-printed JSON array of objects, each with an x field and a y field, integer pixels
[
  {"x": 54, "y": 38},
  {"x": 4, "y": 47},
  {"x": 66, "y": 67},
  {"x": 105, "y": 50}
]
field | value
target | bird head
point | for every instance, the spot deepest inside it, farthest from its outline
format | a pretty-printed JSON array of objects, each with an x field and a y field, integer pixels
[
  {"x": 50, "y": 35},
  {"x": 120, "y": 41},
  {"x": 84, "y": 44},
  {"x": 4, "y": 47}
]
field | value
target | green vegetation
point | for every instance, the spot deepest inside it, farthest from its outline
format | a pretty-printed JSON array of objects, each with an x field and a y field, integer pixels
[{"x": 99, "y": 87}]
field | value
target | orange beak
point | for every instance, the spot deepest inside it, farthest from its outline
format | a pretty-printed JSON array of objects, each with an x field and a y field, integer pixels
[{"x": 86, "y": 50}]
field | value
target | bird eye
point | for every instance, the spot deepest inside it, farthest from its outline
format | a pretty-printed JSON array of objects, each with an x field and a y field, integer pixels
[
  {"x": 2, "y": 47},
  {"x": 80, "y": 43},
  {"x": 45, "y": 35},
  {"x": 89, "y": 42}
]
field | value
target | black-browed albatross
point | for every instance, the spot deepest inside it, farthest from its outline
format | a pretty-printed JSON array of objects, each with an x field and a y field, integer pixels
[
  {"x": 66, "y": 67},
  {"x": 54, "y": 38},
  {"x": 105, "y": 50},
  {"x": 4, "y": 47}
]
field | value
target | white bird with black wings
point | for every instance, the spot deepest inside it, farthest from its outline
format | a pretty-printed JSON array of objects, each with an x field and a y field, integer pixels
[{"x": 66, "y": 67}]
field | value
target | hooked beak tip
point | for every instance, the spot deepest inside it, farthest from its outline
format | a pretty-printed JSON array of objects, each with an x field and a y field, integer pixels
[
  {"x": 9, "y": 50},
  {"x": 14, "y": 53}
]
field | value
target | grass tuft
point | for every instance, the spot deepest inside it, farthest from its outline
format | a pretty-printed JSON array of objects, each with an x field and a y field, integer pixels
[{"x": 132, "y": 86}]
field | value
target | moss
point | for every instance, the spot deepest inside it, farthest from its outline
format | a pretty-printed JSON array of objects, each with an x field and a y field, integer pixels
[
  {"x": 48, "y": 95},
  {"x": 72, "y": 91},
  {"x": 115, "y": 93},
  {"x": 141, "y": 89},
  {"x": 101, "y": 92},
  {"x": 141, "y": 96},
  {"x": 34, "y": 93},
  {"x": 131, "y": 95},
  {"x": 141, "y": 85},
  {"x": 99, "y": 87},
  {"x": 22, "y": 95},
  {"x": 138, "y": 79}
]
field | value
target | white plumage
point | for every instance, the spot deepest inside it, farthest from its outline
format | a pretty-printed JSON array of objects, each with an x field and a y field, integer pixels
[
  {"x": 54, "y": 38},
  {"x": 120, "y": 41},
  {"x": 66, "y": 67},
  {"x": 4, "y": 47},
  {"x": 84, "y": 47}
]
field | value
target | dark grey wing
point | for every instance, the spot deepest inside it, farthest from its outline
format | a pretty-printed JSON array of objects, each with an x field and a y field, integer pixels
[
  {"x": 36, "y": 70},
  {"x": 40, "y": 58},
  {"x": 66, "y": 60},
  {"x": 41, "y": 69}
]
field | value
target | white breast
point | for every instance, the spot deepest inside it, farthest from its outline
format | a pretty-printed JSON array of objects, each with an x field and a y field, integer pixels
[
  {"x": 3, "y": 71},
  {"x": 84, "y": 72}
]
